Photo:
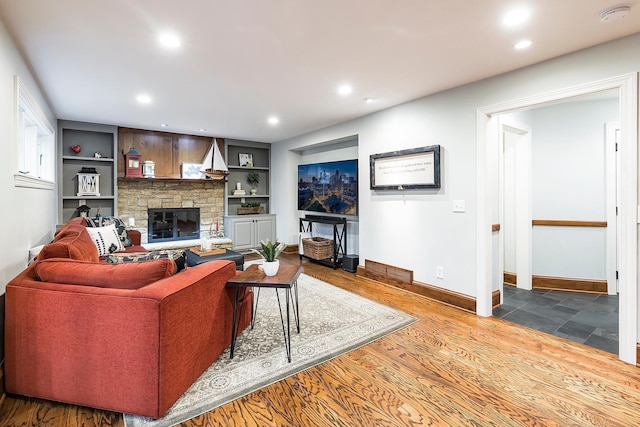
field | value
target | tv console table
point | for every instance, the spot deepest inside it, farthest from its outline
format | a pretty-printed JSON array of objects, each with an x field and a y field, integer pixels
[{"x": 339, "y": 237}]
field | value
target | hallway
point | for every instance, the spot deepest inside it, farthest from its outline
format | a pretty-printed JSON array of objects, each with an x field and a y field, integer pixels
[{"x": 586, "y": 318}]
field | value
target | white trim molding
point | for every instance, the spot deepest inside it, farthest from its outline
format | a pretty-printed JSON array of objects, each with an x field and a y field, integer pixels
[{"x": 27, "y": 181}]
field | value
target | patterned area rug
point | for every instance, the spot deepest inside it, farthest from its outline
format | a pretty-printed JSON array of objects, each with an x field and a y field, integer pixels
[{"x": 332, "y": 322}]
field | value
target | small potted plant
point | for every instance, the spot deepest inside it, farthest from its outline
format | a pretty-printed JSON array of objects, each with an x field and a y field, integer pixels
[
  {"x": 269, "y": 252},
  {"x": 253, "y": 178}
]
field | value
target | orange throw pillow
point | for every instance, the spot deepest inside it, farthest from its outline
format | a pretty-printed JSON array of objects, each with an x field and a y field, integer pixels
[
  {"x": 76, "y": 245},
  {"x": 104, "y": 275}
]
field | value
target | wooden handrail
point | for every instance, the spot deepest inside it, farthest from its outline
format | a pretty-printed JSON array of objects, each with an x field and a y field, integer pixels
[{"x": 568, "y": 223}]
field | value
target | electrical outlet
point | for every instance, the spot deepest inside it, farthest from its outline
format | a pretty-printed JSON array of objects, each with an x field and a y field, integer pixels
[{"x": 440, "y": 272}]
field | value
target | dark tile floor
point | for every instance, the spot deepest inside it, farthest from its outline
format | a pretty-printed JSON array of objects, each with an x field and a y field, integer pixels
[{"x": 590, "y": 319}]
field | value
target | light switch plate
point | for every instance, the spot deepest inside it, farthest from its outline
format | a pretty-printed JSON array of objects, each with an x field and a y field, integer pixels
[{"x": 458, "y": 206}]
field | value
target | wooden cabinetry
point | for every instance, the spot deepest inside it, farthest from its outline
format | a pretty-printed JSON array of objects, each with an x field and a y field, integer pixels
[
  {"x": 260, "y": 155},
  {"x": 246, "y": 231},
  {"x": 169, "y": 151},
  {"x": 89, "y": 139}
]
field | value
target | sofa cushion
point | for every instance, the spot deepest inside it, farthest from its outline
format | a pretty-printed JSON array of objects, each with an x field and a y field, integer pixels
[
  {"x": 101, "y": 221},
  {"x": 77, "y": 245},
  {"x": 176, "y": 255},
  {"x": 104, "y": 275},
  {"x": 73, "y": 227},
  {"x": 106, "y": 239}
]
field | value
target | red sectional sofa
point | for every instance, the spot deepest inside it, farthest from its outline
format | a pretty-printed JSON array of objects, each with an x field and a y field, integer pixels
[{"x": 132, "y": 338}]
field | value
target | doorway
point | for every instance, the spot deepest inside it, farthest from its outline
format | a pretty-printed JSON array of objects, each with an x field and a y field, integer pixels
[
  {"x": 561, "y": 148},
  {"x": 487, "y": 138}
]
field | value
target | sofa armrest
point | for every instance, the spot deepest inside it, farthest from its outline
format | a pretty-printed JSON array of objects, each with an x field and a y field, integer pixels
[
  {"x": 133, "y": 351},
  {"x": 135, "y": 236}
]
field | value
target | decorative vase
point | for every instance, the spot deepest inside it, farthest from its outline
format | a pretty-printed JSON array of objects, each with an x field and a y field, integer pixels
[
  {"x": 271, "y": 268},
  {"x": 254, "y": 191}
]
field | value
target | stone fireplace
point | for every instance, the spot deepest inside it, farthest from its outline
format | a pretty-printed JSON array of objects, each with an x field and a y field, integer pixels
[
  {"x": 170, "y": 224},
  {"x": 137, "y": 197}
]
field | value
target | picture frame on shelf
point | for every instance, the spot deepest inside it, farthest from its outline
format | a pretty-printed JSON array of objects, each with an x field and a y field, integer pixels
[
  {"x": 192, "y": 171},
  {"x": 245, "y": 160}
]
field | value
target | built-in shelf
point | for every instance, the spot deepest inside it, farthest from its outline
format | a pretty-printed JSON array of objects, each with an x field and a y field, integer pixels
[
  {"x": 88, "y": 159},
  {"x": 89, "y": 198},
  {"x": 255, "y": 168},
  {"x": 260, "y": 155},
  {"x": 247, "y": 231},
  {"x": 161, "y": 178},
  {"x": 91, "y": 138}
]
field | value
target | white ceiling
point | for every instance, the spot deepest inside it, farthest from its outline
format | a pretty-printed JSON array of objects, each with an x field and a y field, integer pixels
[{"x": 242, "y": 61}]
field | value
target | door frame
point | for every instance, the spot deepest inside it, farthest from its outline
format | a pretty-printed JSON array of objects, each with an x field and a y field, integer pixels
[
  {"x": 487, "y": 138},
  {"x": 612, "y": 158},
  {"x": 523, "y": 202}
]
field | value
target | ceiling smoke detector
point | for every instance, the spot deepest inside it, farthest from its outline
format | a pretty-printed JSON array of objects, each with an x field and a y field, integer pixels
[{"x": 614, "y": 14}]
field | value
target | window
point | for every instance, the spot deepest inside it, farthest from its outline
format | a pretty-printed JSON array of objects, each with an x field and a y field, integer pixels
[{"x": 35, "y": 141}]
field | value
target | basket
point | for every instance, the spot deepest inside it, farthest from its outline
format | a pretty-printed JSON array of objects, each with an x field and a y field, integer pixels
[{"x": 317, "y": 247}]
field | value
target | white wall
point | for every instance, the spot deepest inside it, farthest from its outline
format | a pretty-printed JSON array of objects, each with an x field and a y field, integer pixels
[
  {"x": 568, "y": 160},
  {"x": 417, "y": 229},
  {"x": 28, "y": 216}
]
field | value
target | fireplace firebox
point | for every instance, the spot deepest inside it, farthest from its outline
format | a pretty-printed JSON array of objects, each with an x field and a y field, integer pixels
[{"x": 173, "y": 224}]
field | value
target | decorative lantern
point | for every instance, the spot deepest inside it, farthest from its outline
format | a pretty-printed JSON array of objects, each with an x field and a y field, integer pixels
[
  {"x": 149, "y": 169},
  {"x": 88, "y": 182},
  {"x": 133, "y": 163}
]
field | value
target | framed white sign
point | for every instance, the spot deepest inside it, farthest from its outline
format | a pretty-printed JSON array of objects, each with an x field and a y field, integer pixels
[
  {"x": 192, "y": 171},
  {"x": 406, "y": 169}
]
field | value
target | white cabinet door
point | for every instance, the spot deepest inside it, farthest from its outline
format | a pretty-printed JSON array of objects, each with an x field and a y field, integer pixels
[
  {"x": 243, "y": 234},
  {"x": 246, "y": 232},
  {"x": 265, "y": 229}
]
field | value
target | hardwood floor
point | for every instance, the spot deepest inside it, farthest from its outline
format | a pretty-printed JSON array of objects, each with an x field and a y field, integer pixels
[{"x": 451, "y": 368}]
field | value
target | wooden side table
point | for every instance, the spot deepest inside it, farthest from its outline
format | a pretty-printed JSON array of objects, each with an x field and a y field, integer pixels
[{"x": 253, "y": 277}]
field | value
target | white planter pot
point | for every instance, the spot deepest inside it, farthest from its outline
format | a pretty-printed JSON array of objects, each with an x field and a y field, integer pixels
[{"x": 271, "y": 268}]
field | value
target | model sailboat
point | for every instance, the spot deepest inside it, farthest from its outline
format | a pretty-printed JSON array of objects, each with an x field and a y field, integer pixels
[{"x": 213, "y": 165}]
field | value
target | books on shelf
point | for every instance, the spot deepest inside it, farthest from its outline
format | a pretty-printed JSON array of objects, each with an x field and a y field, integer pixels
[{"x": 239, "y": 192}]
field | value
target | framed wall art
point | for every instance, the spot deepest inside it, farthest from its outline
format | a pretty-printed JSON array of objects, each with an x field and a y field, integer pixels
[
  {"x": 191, "y": 171},
  {"x": 245, "y": 159},
  {"x": 414, "y": 168}
]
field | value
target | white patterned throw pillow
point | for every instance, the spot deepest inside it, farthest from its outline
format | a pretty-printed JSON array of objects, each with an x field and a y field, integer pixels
[{"x": 106, "y": 239}]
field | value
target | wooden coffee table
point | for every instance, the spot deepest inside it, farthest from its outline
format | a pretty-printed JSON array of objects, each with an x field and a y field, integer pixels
[{"x": 254, "y": 277}]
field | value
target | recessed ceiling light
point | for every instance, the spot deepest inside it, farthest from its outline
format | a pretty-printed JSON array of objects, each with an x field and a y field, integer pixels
[
  {"x": 164, "y": 125},
  {"x": 273, "y": 120},
  {"x": 169, "y": 40},
  {"x": 143, "y": 98},
  {"x": 515, "y": 17},
  {"x": 523, "y": 44},
  {"x": 345, "y": 90},
  {"x": 203, "y": 130},
  {"x": 369, "y": 100}
]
